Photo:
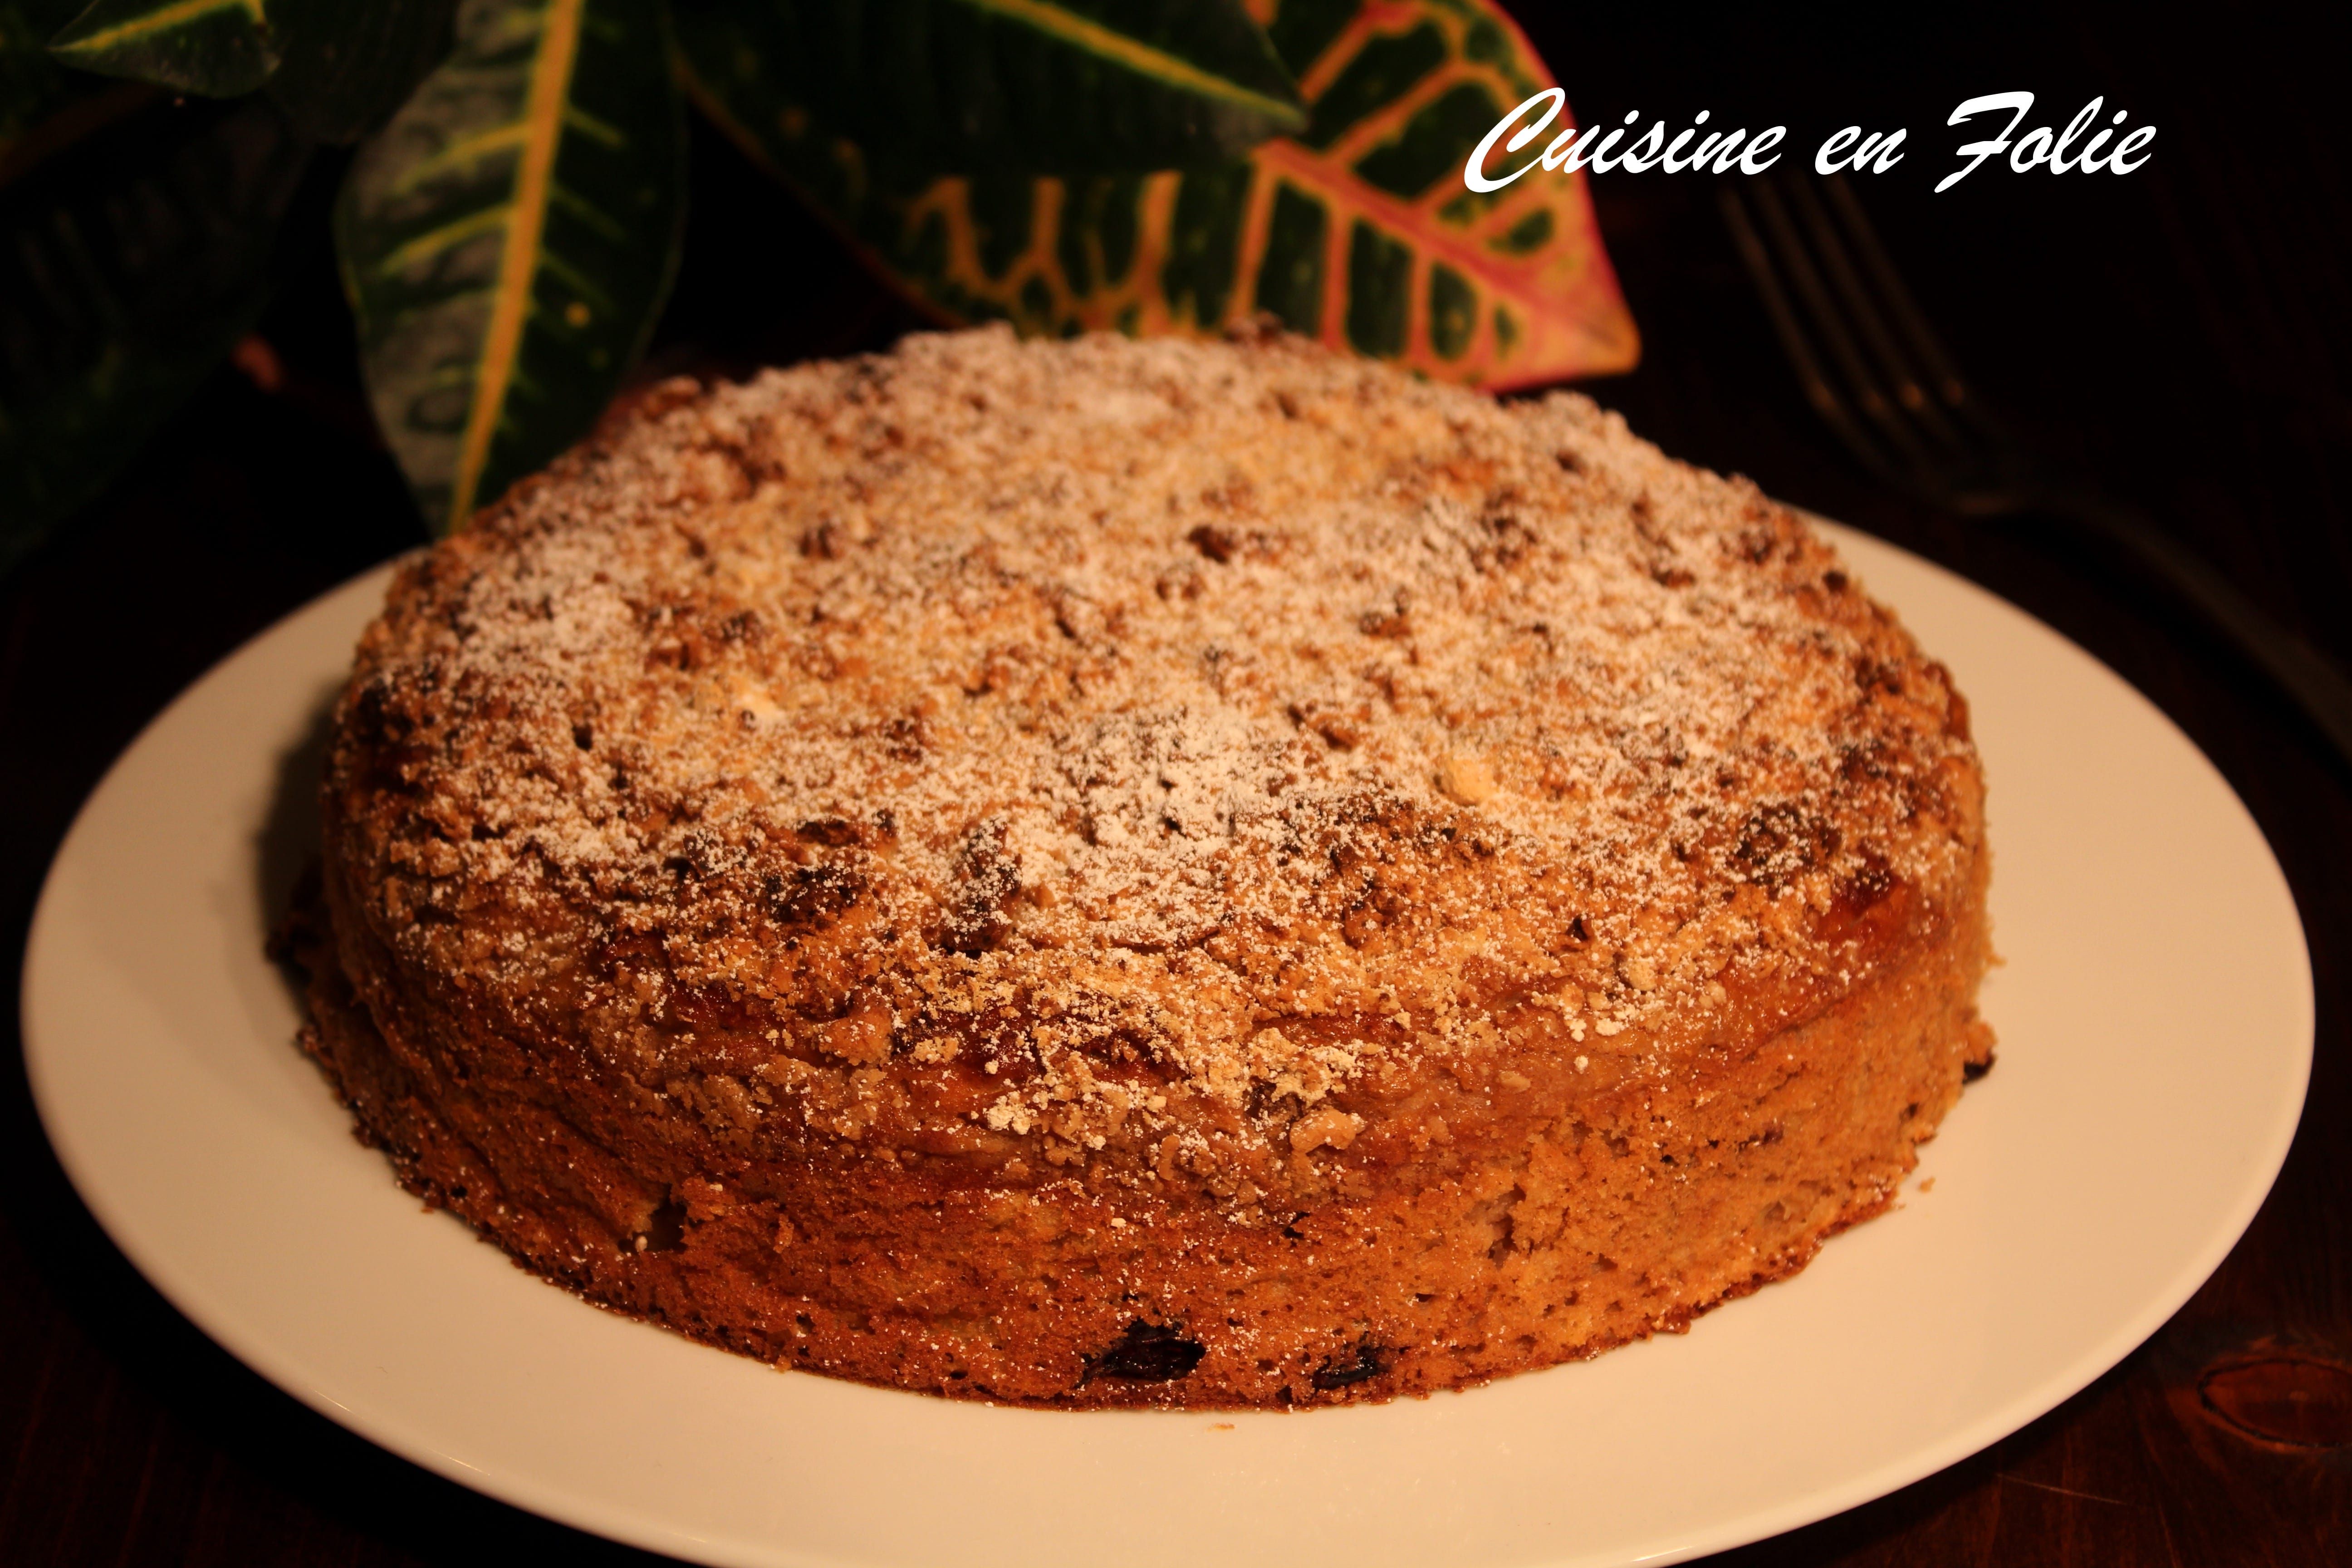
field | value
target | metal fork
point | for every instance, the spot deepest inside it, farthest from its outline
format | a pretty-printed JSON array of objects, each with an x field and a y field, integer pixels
[{"x": 1898, "y": 404}]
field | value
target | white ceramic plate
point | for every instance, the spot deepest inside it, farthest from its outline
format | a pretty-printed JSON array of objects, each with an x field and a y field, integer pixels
[{"x": 2156, "y": 1026}]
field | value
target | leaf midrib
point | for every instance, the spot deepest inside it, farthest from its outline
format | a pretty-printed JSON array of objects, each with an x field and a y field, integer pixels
[
  {"x": 1137, "y": 56},
  {"x": 161, "y": 21},
  {"x": 542, "y": 123}
]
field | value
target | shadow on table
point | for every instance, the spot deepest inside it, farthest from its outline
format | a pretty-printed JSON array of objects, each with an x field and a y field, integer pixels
[{"x": 286, "y": 849}]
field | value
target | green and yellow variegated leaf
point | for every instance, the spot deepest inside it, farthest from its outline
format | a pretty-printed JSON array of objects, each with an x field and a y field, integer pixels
[
  {"x": 1043, "y": 86},
  {"x": 338, "y": 67},
  {"x": 508, "y": 239},
  {"x": 33, "y": 83},
  {"x": 1358, "y": 231},
  {"x": 215, "y": 47}
]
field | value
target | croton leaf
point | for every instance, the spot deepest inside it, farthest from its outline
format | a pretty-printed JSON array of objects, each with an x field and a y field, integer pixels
[
  {"x": 33, "y": 85},
  {"x": 46, "y": 109},
  {"x": 130, "y": 263},
  {"x": 508, "y": 239},
  {"x": 347, "y": 64},
  {"x": 219, "y": 49},
  {"x": 1051, "y": 86},
  {"x": 1359, "y": 231}
]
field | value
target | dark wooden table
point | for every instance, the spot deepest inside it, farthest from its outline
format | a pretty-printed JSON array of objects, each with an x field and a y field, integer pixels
[{"x": 2185, "y": 334}]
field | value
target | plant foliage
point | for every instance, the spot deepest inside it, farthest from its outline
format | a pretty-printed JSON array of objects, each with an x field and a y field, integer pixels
[
  {"x": 1035, "y": 85},
  {"x": 122, "y": 288},
  {"x": 509, "y": 225},
  {"x": 220, "y": 48},
  {"x": 509, "y": 239},
  {"x": 1357, "y": 230}
]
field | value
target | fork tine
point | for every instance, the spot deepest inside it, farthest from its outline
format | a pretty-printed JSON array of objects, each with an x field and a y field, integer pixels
[
  {"x": 1819, "y": 391},
  {"x": 1943, "y": 380},
  {"x": 2011, "y": 475},
  {"x": 1896, "y": 365},
  {"x": 1885, "y": 415},
  {"x": 2009, "y": 481}
]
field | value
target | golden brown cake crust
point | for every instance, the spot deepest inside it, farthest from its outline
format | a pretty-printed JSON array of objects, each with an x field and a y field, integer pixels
[{"x": 1147, "y": 873}]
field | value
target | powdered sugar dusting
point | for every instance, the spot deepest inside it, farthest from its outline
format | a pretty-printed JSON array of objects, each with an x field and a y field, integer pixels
[{"x": 1125, "y": 720}]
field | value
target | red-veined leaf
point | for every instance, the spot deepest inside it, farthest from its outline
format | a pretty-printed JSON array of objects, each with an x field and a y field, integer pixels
[{"x": 1358, "y": 231}]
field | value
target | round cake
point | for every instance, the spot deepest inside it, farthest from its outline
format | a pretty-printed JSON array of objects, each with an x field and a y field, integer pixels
[{"x": 1146, "y": 873}]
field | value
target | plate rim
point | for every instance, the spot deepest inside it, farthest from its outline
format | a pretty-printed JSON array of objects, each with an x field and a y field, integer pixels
[{"x": 578, "y": 1509}]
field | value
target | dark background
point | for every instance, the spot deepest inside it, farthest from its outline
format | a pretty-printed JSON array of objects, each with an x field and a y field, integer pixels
[{"x": 2182, "y": 334}]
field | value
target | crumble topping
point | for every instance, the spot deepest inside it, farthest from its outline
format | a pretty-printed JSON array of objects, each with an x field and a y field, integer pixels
[{"x": 1104, "y": 722}]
